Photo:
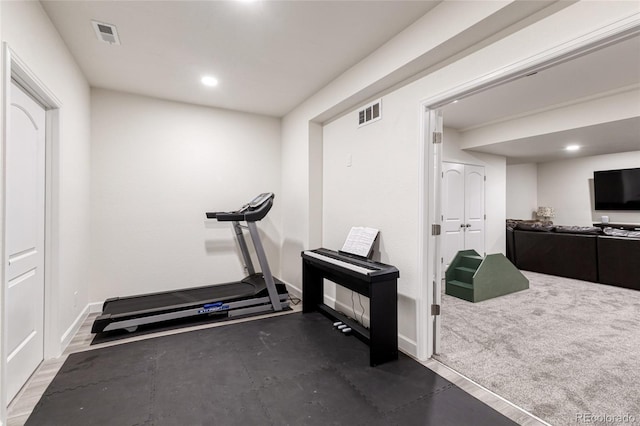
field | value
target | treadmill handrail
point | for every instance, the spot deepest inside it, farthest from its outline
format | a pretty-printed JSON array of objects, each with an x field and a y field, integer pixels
[
  {"x": 246, "y": 213},
  {"x": 247, "y": 216}
]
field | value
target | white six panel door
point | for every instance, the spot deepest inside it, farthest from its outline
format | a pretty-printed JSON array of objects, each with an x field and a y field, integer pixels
[{"x": 25, "y": 198}]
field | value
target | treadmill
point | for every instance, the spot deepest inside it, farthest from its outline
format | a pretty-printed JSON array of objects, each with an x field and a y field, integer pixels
[{"x": 259, "y": 292}]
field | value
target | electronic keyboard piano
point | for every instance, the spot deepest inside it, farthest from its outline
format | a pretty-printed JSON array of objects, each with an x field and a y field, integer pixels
[{"x": 375, "y": 280}]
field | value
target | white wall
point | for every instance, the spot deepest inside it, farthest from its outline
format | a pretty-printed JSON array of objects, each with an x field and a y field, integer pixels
[
  {"x": 30, "y": 34},
  {"x": 157, "y": 167},
  {"x": 522, "y": 191},
  {"x": 3, "y": 338},
  {"x": 375, "y": 191},
  {"x": 567, "y": 186}
]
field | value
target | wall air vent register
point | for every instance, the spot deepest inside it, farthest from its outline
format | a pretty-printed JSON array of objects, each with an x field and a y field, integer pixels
[{"x": 370, "y": 113}]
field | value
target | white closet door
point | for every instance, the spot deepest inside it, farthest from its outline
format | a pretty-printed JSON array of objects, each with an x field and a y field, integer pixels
[
  {"x": 25, "y": 198},
  {"x": 463, "y": 209},
  {"x": 474, "y": 208},
  {"x": 453, "y": 210}
]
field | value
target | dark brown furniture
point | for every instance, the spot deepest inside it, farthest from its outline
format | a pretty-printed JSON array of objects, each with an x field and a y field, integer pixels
[
  {"x": 564, "y": 255},
  {"x": 577, "y": 252},
  {"x": 619, "y": 261}
]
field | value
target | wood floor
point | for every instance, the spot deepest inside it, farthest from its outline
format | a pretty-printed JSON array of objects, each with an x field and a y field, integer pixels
[{"x": 22, "y": 406}]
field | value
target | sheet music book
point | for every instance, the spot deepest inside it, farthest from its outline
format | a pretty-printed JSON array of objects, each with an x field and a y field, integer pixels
[{"x": 360, "y": 241}]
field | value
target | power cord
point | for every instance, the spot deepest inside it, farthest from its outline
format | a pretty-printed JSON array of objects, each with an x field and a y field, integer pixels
[
  {"x": 362, "y": 314},
  {"x": 353, "y": 309},
  {"x": 294, "y": 300}
]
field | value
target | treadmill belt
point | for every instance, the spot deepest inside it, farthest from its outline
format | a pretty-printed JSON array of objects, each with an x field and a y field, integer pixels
[
  {"x": 178, "y": 297},
  {"x": 291, "y": 369}
]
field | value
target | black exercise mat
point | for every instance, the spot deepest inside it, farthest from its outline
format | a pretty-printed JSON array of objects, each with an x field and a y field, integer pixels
[{"x": 287, "y": 370}]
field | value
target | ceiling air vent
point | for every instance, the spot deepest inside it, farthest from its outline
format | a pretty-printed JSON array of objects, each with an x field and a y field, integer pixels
[
  {"x": 106, "y": 33},
  {"x": 370, "y": 113}
]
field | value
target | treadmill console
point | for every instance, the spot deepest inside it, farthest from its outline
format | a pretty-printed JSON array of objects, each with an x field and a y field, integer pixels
[
  {"x": 260, "y": 199},
  {"x": 253, "y": 211}
]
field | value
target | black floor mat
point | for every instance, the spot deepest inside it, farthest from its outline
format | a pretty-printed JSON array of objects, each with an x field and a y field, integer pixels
[{"x": 286, "y": 370}]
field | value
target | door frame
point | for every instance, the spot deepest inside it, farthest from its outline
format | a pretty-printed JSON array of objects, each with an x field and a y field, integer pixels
[
  {"x": 429, "y": 244},
  {"x": 14, "y": 68},
  {"x": 428, "y": 323}
]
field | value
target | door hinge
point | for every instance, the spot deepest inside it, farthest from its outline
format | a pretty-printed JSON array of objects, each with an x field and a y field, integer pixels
[
  {"x": 437, "y": 137},
  {"x": 435, "y": 229},
  {"x": 435, "y": 309}
]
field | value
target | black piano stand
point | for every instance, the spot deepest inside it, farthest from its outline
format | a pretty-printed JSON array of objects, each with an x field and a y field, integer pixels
[{"x": 382, "y": 291}]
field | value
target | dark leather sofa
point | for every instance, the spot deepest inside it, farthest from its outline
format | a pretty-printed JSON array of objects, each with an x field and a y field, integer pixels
[
  {"x": 583, "y": 253},
  {"x": 619, "y": 261}
]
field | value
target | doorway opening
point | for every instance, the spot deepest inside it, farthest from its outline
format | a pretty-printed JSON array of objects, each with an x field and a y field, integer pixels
[
  {"x": 536, "y": 150},
  {"x": 519, "y": 74}
]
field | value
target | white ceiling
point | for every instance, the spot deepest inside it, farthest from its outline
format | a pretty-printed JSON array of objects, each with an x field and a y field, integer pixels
[
  {"x": 604, "y": 70},
  {"x": 607, "y": 138},
  {"x": 268, "y": 56}
]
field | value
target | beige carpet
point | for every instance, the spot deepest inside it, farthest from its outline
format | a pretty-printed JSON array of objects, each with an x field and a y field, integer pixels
[{"x": 567, "y": 351}]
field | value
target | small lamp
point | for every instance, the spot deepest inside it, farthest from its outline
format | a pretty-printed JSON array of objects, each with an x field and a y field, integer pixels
[{"x": 546, "y": 212}]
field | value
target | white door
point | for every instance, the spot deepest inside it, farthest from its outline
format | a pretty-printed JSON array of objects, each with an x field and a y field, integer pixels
[
  {"x": 453, "y": 210},
  {"x": 474, "y": 208},
  {"x": 462, "y": 209},
  {"x": 25, "y": 207}
]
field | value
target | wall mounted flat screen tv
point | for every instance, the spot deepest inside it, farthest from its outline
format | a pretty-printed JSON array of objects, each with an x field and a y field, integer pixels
[{"x": 617, "y": 189}]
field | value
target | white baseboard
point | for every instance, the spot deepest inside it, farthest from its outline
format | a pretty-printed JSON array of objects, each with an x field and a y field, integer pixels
[
  {"x": 408, "y": 346},
  {"x": 95, "y": 307},
  {"x": 73, "y": 329},
  {"x": 294, "y": 290}
]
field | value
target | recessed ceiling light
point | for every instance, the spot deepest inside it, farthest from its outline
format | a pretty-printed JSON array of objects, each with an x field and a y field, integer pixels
[
  {"x": 572, "y": 147},
  {"x": 209, "y": 81}
]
